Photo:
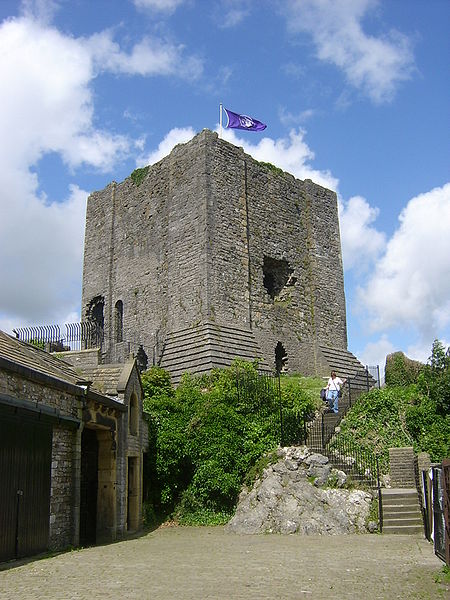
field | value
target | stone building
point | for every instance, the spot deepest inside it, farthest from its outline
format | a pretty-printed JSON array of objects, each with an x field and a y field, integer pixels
[
  {"x": 209, "y": 255},
  {"x": 71, "y": 455}
]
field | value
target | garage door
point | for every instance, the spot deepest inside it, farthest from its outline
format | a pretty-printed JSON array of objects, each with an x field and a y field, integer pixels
[{"x": 25, "y": 465}]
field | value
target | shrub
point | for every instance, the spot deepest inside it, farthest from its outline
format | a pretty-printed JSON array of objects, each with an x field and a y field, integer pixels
[
  {"x": 416, "y": 415},
  {"x": 207, "y": 434}
]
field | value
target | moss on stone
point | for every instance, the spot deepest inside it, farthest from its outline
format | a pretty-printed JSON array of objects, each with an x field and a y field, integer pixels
[{"x": 138, "y": 175}]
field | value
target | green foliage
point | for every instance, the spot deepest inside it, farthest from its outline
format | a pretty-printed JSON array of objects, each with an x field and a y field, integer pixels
[
  {"x": 209, "y": 433},
  {"x": 156, "y": 383},
  {"x": 301, "y": 394},
  {"x": 400, "y": 370},
  {"x": 443, "y": 576},
  {"x": 256, "y": 471},
  {"x": 374, "y": 513},
  {"x": 138, "y": 175},
  {"x": 272, "y": 167},
  {"x": 434, "y": 381},
  {"x": 37, "y": 343},
  {"x": 416, "y": 415}
]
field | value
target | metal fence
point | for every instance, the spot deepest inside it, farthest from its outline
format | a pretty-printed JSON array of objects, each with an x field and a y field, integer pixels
[
  {"x": 360, "y": 463},
  {"x": 261, "y": 395},
  {"x": 436, "y": 495},
  {"x": 77, "y": 336}
]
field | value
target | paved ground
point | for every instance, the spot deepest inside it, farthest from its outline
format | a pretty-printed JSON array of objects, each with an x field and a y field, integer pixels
[{"x": 206, "y": 563}]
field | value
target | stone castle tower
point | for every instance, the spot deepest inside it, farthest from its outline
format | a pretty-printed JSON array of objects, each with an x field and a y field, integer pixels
[{"x": 213, "y": 255}]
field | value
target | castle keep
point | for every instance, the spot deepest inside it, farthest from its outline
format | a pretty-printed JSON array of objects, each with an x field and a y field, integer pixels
[{"x": 210, "y": 254}]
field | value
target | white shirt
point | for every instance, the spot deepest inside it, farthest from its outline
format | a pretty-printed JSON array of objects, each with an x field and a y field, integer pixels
[{"x": 334, "y": 384}]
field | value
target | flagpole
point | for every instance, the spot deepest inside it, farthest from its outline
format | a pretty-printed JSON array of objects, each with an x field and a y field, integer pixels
[{"x": 220, "y": 120}]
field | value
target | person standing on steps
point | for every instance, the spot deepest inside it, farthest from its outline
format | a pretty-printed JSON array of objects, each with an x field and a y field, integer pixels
[{"x": 333, "y": 387}]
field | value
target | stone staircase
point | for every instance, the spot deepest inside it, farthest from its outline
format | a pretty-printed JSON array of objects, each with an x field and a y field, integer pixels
[
  {"x": 321, "y": 431},
  {"x": 207, "y": 346},
  {"x": 401, "y": 511},
  {"x": 347, "y": 366}
]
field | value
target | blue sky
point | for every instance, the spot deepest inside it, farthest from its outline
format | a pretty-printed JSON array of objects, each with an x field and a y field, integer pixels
[{"x": 355, "y": 94}]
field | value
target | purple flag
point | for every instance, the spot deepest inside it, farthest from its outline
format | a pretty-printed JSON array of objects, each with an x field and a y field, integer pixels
[{"x": 236, "y": 121}]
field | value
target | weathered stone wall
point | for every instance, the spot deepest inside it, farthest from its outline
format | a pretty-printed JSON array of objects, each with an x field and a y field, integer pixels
[
  {"x": 257, "y": 211},
  {"x": 188, "y": 245},
  {"x": 62, "y": 488},
  {"x": 17, "y": 386}
]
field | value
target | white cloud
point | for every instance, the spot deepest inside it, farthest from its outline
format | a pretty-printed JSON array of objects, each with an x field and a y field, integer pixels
[
  {"x": 47, "y": 106},
  {"x": 233, "y": 12},
  {"x": 374, "y": 65},
  {"x": 361, "y": 242},
  {"x": 149, "y": 56},
  {"x": 41, "y": 259},
  {"x": 167, "y": 6},
  {"x": 291, "y": 154},
  {"x": 288, "y": 119},
  {"x": 375, "y": 353},
  {"x": 174, "y": 137},
  {"x": 40, "y": 10},
  {"x": 410, "y": 286}
]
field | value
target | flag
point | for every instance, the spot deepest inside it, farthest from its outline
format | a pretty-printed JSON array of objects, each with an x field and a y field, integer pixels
[{"x": 236, "y": 121}]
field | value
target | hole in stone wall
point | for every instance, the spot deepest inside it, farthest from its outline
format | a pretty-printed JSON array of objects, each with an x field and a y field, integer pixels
[
  {"x": 280, "y": 358},
  {"x": 276, "y": 275},
  {"x": 141, "y": 359},
  {"x": 94, "y": 312}
]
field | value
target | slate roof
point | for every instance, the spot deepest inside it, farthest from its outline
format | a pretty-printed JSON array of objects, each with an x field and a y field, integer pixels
[
  {"x": 31, "y": 357},
  {"x": 105, "y": 378}
]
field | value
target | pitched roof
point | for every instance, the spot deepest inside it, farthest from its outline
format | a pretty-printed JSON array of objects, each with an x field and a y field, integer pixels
[
  {"x": 105, "y": 378},
  {"x": 31, "y": 357}
]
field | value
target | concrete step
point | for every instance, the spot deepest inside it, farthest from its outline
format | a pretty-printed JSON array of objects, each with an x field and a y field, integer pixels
[
  {"x": 402, "y": 521},
  {"x": 401, "y": 511},
  {"x": 401, "y": 508},
  {"x": 398, "y": 496},
  {"x": 403, "y": 529}
]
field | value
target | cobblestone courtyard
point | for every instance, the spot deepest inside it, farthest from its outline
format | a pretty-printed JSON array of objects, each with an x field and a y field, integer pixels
[{"x": 207, "y": 563}]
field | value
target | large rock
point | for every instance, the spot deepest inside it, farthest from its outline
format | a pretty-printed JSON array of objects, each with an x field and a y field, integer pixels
[
  {"x": 288, "y": 499},
  {"x": 401, "y": 370}
]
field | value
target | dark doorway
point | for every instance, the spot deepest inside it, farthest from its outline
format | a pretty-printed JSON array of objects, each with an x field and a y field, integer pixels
[
  {"x": 25, "y": 470},
  {"x": 280, "y": 358},
  {"x": 88, "y": 487}
]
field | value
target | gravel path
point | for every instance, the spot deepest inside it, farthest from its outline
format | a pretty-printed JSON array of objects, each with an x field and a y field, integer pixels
[{"x": 180, "y": 563}]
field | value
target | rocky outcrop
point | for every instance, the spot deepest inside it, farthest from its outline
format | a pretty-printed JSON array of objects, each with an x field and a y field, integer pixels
[{"x": 289, "y": 498}]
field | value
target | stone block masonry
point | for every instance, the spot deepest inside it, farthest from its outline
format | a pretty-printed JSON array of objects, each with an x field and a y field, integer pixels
[{"x": 213, "y": 236}]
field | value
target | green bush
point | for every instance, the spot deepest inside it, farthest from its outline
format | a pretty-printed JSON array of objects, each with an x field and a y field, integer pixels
[
  {"x": 208, "y": 433},
  {"x": 416, "y": 415}
]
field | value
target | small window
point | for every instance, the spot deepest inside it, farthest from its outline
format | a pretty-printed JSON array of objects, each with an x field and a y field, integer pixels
[
  {"x": 118, "y": 321},
  {"x": 133, "y": 415}
]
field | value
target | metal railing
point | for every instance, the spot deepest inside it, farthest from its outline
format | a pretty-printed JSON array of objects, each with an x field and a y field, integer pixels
[
  {"x": 262, "y": 397},
  {"x": 77, "y": 336}
]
